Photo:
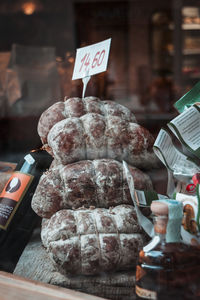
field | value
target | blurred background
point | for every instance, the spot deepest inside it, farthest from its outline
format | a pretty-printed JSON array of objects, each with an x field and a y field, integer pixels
[{"x": 154, "y": 59}]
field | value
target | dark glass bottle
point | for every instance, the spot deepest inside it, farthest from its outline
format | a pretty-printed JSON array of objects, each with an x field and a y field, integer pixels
[
  {"x": 17, "y": 219},
  {"x": 168, "y": 268}
]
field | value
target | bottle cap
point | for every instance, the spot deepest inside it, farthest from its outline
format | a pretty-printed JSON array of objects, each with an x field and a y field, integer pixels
[
  {"x": 167, "y": 206},
  {"x": 159, "y": 208},
  {"x": 173, "y": 210}
]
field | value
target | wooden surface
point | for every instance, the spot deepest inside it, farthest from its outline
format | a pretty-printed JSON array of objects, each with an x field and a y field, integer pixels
[{"x": 14, "y": 287}]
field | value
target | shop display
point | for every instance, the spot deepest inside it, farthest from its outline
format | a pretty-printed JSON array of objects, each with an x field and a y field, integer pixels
[
  {"x": 109, "y": 204},
  {"x": 17, "y": 219},
  {"x": 98, "y": 182},
  {"x": 168, "y": 268},
  {"x": 89, "y": 223},
  {"x": 92, "y": 188}
]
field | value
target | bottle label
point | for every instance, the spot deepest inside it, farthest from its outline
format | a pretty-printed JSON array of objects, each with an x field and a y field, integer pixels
[
  {"x": 145, "y": 294},
  {"x": 12, "y": 195}
]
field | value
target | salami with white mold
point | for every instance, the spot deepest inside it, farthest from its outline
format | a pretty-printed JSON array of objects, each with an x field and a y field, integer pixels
[
  {"x": 92, "y": 241},
  {"x": 99, "y": 183}
]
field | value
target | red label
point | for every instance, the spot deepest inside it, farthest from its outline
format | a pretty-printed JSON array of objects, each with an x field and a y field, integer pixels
[
  {"x": 190, "y": 188},
  {"x": 12, "y": 195}
]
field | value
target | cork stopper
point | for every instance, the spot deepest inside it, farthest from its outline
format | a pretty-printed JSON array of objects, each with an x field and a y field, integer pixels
[
  {"x": 159, "y": 208},
  {"x": 160, "y": 211},
  {"x": 168, "y": 214}
]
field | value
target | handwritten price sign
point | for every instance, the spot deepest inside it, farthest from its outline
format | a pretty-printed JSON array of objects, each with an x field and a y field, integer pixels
[{"x": 91, "y": 60}]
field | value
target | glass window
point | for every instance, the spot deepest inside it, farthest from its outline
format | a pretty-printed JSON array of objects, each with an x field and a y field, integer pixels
[{"x": 154, "y": 60}]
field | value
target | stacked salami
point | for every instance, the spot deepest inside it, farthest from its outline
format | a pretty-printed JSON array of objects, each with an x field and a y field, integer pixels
[{"x": 89, "y": 222}]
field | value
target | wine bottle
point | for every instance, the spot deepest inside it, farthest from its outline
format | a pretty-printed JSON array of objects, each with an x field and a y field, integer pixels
[{"x": 17, "y": 219}]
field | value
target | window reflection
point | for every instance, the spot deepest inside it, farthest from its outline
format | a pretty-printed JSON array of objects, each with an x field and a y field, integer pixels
[{"x": 153, "y": 61}]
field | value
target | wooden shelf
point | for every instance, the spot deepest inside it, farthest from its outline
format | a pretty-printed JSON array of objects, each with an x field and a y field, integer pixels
[
  {"x": 186, "y": 26},
  {"x": 191, "y": 26},
  {"x": 191, "y": 52},
  {"x": 187, "y": 52}
]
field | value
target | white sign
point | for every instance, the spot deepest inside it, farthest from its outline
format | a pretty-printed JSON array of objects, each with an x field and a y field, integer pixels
[{"x": 91, "y": 60}]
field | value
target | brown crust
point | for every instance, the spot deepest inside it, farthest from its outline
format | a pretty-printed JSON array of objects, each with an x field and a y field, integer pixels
[
  {"x": 93, "y": 136},
  {"x": 77, "y": 107},
  {"x": 89, "y": 128}
]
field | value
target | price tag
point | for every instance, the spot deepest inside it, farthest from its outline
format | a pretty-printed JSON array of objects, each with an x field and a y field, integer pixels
[{"x": 91, "y": 60}]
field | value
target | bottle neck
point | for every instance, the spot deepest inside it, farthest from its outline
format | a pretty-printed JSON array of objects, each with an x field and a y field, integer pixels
[
  {"x": 167, "y": 229},
  {"x": 28, "y": 164}
]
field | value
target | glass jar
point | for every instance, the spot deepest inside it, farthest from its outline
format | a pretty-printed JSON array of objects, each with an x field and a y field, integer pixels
[{"x": 168, "y": 268}]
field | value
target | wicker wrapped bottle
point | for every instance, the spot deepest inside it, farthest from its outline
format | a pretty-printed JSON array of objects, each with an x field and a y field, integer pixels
[
  {"x": 168, "y": 268},
  {"x": 17, "y": 219}
]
